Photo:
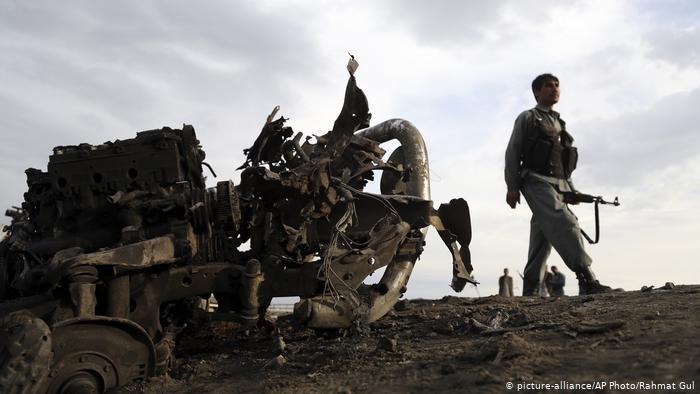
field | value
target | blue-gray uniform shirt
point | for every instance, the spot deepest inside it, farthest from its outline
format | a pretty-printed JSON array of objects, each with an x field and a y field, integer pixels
[{"x": 514, "y": 173}]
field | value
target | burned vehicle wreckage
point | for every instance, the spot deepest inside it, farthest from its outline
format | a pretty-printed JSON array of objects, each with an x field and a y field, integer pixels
[{"x": 115, "y": 243}]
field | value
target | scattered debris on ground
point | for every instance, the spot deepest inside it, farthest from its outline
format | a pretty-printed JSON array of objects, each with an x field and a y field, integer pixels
[{"x": 454, "y": 344}]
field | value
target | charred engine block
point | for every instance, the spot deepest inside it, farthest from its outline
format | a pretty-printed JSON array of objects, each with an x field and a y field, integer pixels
[{"x": 121, "y": 192}]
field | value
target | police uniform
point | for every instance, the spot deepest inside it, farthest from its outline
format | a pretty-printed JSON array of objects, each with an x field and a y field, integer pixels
[{"x": 539, "y": 161}]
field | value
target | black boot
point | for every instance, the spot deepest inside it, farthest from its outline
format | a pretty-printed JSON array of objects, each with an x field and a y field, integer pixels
[
  {"x": 531, "y": 287},
  {"x": 588, "y": 284}
]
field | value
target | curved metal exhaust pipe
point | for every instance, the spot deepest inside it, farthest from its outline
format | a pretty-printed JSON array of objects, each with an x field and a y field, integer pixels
[{"x": 318, "y": 313}]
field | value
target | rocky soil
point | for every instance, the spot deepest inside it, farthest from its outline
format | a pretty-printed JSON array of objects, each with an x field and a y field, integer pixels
[{"x": 456, "y": 345}]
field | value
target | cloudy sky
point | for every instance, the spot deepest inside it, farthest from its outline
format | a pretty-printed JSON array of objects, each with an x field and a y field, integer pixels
[{"x": 94, "y": 71}]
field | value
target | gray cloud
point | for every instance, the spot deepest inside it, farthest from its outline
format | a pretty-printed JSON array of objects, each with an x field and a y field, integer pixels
[
  {"x": 668, "y": 13},
  {"x": 625, "y": 150},
  {"x": 674, "y": 32},
  {"x": 457, "y": 23},
  {"x": 116, "y": 44},
  {"x": 677, "y": 46}
]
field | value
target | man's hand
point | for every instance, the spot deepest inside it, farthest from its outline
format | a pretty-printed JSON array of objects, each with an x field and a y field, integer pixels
[{"x": 513, "y": 198}]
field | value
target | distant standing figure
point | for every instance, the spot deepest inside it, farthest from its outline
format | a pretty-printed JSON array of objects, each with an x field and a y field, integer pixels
[
  {"x": 546, "y": 283},
  {"x": 505, "y": 284},
  {"x": 558, "y": 281}
]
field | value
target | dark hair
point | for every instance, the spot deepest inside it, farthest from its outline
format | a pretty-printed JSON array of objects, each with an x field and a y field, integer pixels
[{"x": 538, "y": 82}]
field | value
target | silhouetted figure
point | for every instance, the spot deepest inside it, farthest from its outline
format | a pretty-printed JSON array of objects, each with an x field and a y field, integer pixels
[
  {"x": 557, "y": 282},
  {"x": 546, "y": 283},
  {"x": 505, "y": 284}
]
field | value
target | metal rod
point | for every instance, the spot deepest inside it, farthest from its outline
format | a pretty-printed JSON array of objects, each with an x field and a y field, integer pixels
[{"x": 118, "y": 297}]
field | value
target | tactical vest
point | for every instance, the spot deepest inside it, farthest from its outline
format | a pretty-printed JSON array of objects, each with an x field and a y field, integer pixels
[{"x": 548, "y": 154}]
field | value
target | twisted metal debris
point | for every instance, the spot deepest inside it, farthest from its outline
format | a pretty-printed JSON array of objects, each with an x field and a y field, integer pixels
[{"x": 116, "y": 245}]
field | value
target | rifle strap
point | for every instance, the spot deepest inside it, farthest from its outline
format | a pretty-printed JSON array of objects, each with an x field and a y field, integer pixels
[{"x": 597, "y": 227}]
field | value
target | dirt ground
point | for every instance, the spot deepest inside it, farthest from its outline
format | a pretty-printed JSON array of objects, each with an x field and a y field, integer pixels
[{"x": 458, "y": 345}]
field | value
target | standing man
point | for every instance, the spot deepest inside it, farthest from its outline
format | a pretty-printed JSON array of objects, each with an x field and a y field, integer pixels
[
  {"x": 539, "y": 161},
  {"x": 505, "y": 284},
  {"x": 546, "y": 283},
  {"x": 557, "y": 282}
]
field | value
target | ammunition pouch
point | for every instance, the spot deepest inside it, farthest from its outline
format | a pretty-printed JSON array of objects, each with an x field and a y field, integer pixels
[
  {"x": 549, "y": 155},
  {"x": 569, "y": 159},
  {"x": 538, "y": 158}
]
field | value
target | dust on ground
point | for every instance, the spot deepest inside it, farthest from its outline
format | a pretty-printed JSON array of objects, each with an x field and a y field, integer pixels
[{"x": 453, "y": 345}]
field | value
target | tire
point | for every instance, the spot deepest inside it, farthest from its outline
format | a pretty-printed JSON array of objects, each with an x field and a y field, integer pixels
[{"x": 25, "y": 353}]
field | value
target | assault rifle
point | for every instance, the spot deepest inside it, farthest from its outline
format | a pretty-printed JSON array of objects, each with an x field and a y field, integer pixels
[{"x": 576, "y": 198}]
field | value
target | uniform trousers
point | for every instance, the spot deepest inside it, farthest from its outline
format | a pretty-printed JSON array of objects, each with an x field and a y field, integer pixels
[{"x": 552, "y": 225}]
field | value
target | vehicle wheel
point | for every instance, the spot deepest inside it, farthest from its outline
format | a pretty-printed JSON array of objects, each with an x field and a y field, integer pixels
[
  {"x": 98, "y": 354},
  {"x": 25, "y": 353}
]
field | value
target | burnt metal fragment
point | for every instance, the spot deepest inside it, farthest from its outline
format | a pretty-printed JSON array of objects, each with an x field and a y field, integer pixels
[{"x": 116, "y": 246}]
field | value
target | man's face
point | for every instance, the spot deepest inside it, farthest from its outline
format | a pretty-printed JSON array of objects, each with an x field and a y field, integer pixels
[{"x": 548, "y": 94}]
